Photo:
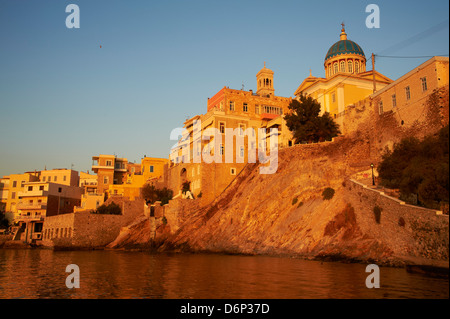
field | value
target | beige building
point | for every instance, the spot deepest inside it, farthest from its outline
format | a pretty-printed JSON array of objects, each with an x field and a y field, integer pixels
[
  {"x": 110, "y": 170},
  {"x": 211, "y": 164},
  {"x": 88, "y": 182},
  {"x": 150, "y": 168},
  {"x": 346, "y": 79},
  {"x": 39, "y": 200},
  {"x": 407, "y": 96},
  {"x": 60, "y": 176},
  {"x": 16, "y": 184},
  {"x": 4, "y": 192}
]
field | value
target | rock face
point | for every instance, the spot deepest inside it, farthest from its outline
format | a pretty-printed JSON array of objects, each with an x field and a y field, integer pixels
[{"x": 286, "y": 214}]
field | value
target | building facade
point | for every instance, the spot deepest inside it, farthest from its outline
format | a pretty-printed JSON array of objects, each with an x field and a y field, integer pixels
[
  {"x": 346, "y": 79},
  {"x": 39, "y": 200}
]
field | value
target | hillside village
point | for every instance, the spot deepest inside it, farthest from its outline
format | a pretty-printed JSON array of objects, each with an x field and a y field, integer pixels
[{"x": 224, "y": 205}]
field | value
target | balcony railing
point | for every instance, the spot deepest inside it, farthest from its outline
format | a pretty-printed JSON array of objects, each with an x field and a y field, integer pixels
[
  {"x": 28, "y": 206},
  {"x": 29, "y": 218}
]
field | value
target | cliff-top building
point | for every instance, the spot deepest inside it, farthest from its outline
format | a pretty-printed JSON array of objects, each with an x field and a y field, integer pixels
[{"x": 346, "y": 78}]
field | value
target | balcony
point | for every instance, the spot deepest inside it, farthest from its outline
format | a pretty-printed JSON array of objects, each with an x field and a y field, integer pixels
[
  {"x": 28, "y": 218},
  {"x": 96, "y": 167},
  {"x": 29, "y": 206},
  {"x": 269, "y": 116}
]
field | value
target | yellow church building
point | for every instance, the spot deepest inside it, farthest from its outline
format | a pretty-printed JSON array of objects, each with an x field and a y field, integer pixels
[{"x": 346, "y": 78}]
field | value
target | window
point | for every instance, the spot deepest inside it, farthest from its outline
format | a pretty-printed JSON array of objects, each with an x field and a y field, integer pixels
[
  {"x": 41, "y": 188},
  {"x": 333, "y": 97},
  {"x": 380, "y": 107},
  {"x": 30, "y": 188},
  {"x": 14, "y": 184},
  {"x": 245, "y": 107},
  {"x": 272, "y": 109},
  {"x": 233, "y": 171},
  {"x": 241, "y": 151},
  {"x": 335, "y": 68},
  {"x": 151, "y": 168},
  {"x": 356, "y": 67},
  {"x": 231, "y": 106},
  {"x": 64, "y": 178},
  {"x": 13, "y": 195},
  {"x": 408, "y": 93},
  {"x": 394, "y": 100},
  {"x": 221, "y": 149},
  {"x": 329, "y": 70},
  {"x": 256, "y": 109},
  {"x": 350, "y": 66},
  {"x": 43, "y": 179},
  {"x": 222, "y": 127},
  {"x": 59, "y": 189},
  {"x": 342, "y": 66},
  {"x": 55, "y": 178},
  {"x": 241, "y": 129},
  {"x": 424, "y": 84},
  {"x": 105, "y": 180},
  {"x": 108, "y": 163}
]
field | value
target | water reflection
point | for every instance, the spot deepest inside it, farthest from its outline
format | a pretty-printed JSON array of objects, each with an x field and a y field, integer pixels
[{"x": 120, "y": 274}]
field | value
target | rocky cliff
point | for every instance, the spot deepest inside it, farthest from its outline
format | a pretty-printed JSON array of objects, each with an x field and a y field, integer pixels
[{"x": 286, "y": 214}]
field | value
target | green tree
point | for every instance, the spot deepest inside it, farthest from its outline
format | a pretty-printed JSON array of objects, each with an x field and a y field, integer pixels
[
  {"x": 419, "y": 168},
  {"x": 306, "y": 124},
  {"x": 151, "y": 194}
]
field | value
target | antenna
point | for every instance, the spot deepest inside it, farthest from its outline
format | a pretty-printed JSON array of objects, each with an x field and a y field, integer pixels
[{"x": 242, "y": 86}]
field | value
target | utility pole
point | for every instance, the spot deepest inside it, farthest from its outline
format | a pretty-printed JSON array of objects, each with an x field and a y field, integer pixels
[{"x": 373, "y": 73}]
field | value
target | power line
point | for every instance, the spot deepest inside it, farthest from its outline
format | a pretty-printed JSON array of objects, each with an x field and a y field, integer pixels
[
  {"x": 416, "y": 38},
  {"x": 408, "y": 57}
]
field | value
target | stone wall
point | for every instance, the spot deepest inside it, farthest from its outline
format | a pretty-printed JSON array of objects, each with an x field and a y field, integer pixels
[
  {"x": 87, "y": 230},
  {"x": 409, "y": 230}
]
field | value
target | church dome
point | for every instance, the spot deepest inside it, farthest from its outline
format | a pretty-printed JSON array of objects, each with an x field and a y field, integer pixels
[
  {"x": 345, "y": 56},
  {"x": 344, "y": 47}
]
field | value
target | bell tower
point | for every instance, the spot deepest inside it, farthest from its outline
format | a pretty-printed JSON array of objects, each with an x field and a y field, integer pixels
[{"x": 264, "y": 82}]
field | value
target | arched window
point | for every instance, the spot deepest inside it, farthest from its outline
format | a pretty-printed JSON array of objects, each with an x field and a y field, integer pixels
[
  {"x": 342, "y": 66},
  {"x": 350, "y": 66},
  {"x": 356, "y": 67},
  {"x": 329, "y": 70},
  {"x": 335, "y": 68}
]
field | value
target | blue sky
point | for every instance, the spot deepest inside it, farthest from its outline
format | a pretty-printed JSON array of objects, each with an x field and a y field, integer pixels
[{"x": 64, "y": 99}]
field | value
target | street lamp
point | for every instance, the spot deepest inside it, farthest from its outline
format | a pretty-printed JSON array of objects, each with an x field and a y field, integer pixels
[{"x": 373, "y": 178}]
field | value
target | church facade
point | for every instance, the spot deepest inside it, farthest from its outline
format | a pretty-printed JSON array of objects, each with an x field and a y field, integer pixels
[{"x": 346, "y": 79}]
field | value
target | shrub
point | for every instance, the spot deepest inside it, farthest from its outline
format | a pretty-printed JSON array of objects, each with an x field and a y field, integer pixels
[
  {"x": 152, "y": 194},
  {"x": 186, "y": 186},
  {"x": 328, "y": 193},
  {"x": 294, "y": 201},
  {"x": 377, "y": 213},
  {"x": 111, "y": 209}
]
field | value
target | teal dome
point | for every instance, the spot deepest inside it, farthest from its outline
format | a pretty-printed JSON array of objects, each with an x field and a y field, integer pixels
[{"x": 344, "y": 47}]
